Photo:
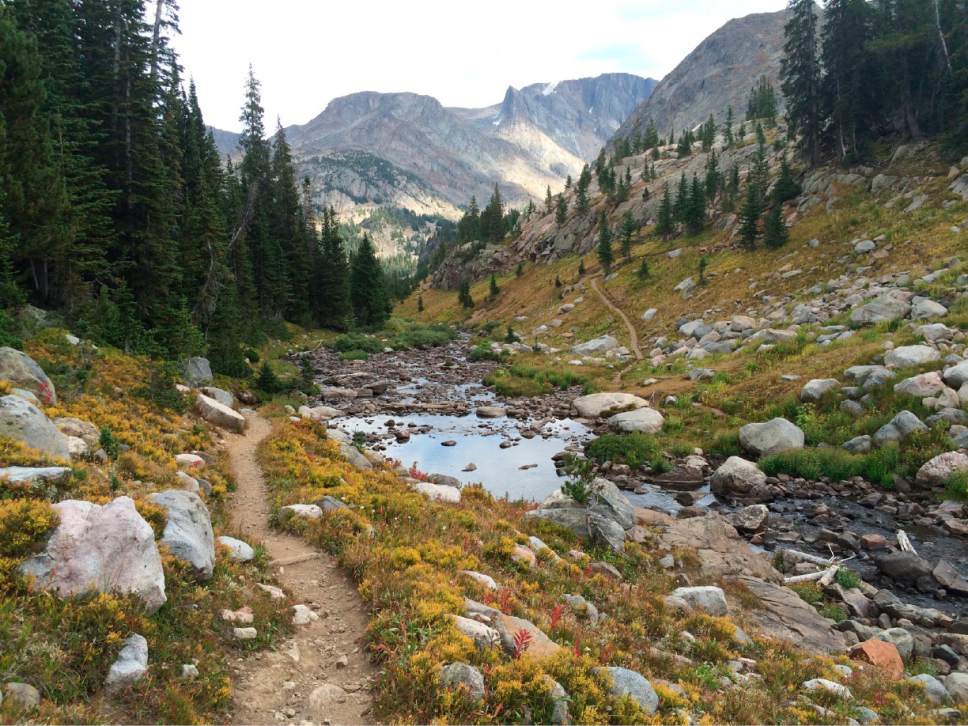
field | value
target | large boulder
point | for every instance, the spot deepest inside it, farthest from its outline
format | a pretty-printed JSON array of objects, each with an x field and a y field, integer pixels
[
  {"x": 770, "y": 437},
  {"x": 624, "y": 682},
  {"x": 720, "y": 551},
  {"x": 898, "y": 428},
  {"x": 607, "y": 501},
  {"x": 80, "y": 429},
  {"x": 938, "y": 470},
  {"x": 219, "y": 414},
  {"x": 25, "y": 422},
  {"x": 106, "y": 548},
  {"x": 463, "y": 677},
  {"x": 540, "y": 645},
  {"x": 597, "y": 346},
  {"x": 188, "y": 533},
  {"x": 197, "y": 372},
  {"x": 922, "y": 385},
  {"x": 23, "y": 372},
  {"x": 883, "y": 309},
  {"x": 957, "y": 375},
  {"x": 34, "y": 477},
  {"x": 818, "y": 388},
  {"x": 783, "y": 615},
  {"x": 319, "y": 413},
  {"x": 903, "y": 566},
  {"x": 226, "y": 398},
  {"x": 600, "y": 404},
  {"x": 606, "y": 531},
  {"x": 907, "y": 356},
  {"x": 924, "y": 308},
  {"x": 708, "y": 599},
  {"x": 642, "y": 420},
  {"x": 739, "y": 478}
]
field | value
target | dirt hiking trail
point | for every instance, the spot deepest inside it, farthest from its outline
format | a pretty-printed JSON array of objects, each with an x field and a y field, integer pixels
[{"x": 324, "y": 658}]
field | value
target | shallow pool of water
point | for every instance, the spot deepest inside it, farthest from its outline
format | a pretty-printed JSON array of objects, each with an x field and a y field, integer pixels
[{"x": 478, "y": 442}]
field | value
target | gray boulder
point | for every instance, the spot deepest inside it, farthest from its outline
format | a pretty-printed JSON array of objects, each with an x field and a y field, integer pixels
[
  {"x": 598, "y": 404},
  {"x": 771, "y": 437},
  {"x": 907, "y": 356},
  {"x": 957, "y": 686},
  {"x": 197, "y": 372},
  {"x": 922, "y": 385},
  {"x": 957, "y": 375},
  {"x": 624, "y": 682},
  {"x": 898, "y": 428},
  {"x": 738, "y": 478},
  {"x": 78, "y": 428},
  {"x": 464, "y": 677},
  {"x": 818, "y": 388},
  {"x": 607, "y": 501},
  {"x": 642, "y": 420},
  {"x": 188, "y": 533},
  {"x": 933, "y": 688},
  {"x": 924, "y": 308},
  {"x": 22, "y": 697},
  {"x": 34, "y": 476},
  {"x": 219, "y": 394},
  {"x": 25, "y": 422},
  {"x": 597, "y": 346},
  {"x": 606, "y": 531},
  {"x": 858, "y": 444},
  {"x": 882, "y": 309},
  {"x": 938, "y": 470},
  {"x": 239, "y": 551},
  {"x": 23, "y": 372},
  {"x": 219, "y": 415},
  {"x": 105, "y": 548},
  {"x": 903, "y": 566},
  {"x": 708, "y": 599},
  {"x": 130, "y": 665}
]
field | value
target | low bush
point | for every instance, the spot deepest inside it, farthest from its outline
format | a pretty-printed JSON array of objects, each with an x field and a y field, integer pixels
[
  {"x": 357, "y": 342},
  {"x": 483, "y": 351},
  {"x": 878, "y": 466},
  {"x": 633, "y": 449},
  {"x": 423, "y": 336},
  {"x": 524, "y": 380}
]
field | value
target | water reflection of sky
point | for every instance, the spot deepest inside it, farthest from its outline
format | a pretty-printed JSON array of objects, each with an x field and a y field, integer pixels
[{"x": 478, "y": 442}]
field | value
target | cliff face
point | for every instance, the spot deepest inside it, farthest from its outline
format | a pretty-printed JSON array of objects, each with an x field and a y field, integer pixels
[{"x": 717, "y": 74}]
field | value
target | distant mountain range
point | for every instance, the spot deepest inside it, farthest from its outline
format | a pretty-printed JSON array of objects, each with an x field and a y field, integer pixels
[{"x": 372, "y": 150}]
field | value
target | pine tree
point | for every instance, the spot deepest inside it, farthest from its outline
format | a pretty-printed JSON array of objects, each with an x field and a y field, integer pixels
[
  {"x": 493, "y": 227},
  {"x": 709, "y": 133},
  {"x": 371, "y": 307},
  {"x": 519, "y": 270},
  {"x": 665, "y": 224},
  {"x": 469, "y": 226},
  {"x": 786, "y": 187},
  {"x": 703, "y": 264},
  {"x": 604, "y": 249},
  {"x": 643, "y": 272},
  {"x": 557, "y": 281},
  {"x": 464, "y": 295},
  {"x": 775, "y": 233},
  {"x": 288, "y": 227},
  {"x": 749, "y": 217},
  {"x": 581, "y": 189},
  {"x": 695, "y": 215},
  {"x": 713, "y": 177},
  {"x": 846, "y": 30},
  {"x": 549, "y": 203},
  {"x": 581, "y": 267},
  {"x": 420, "y": 304},
  {"x": 332, "y": 304},
  {"x": 729, "y": 127},
  {"x": 681, "y": 207},
  {"x": 494, "y": 289},
  {"x": 801, "y": 76},
  {"x": 561, "y": 211}
]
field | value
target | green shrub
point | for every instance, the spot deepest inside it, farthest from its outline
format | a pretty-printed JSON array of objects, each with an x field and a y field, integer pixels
[
  {"x": 357, "y": 341},
  {"x": 579, "y": 484},
  {"x": 423, "y": 336},
  {"x": 847, "y": 578},
  {"x": 633, "y": 449},
  {"x": 160, "y": 389},
  {"x": 9, "y": 332},
  {"x": 957, "y": 485},
  {"x": 109, "y": 442},
  {"x": 354, "y": 355},
  {"x": 482, "y": 351},
  {"x": 268, "y": 381},
  {"x": 878, "y": 466}
]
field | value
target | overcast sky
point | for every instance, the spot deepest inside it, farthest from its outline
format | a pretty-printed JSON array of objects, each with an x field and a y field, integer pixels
[{"x": 307, "y": 52}]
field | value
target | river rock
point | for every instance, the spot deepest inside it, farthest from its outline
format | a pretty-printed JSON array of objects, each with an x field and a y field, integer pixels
[
  {"x": 738, "y": 478},
  {"x": 239, "y": 551},
  {"x": 782, "y": 614},
  {"x": 751, "y": 518},
  {"x": 908, "y": 356},
  {"x": 130, "y": 665},
  {"x": 464, "y": 677},
  {"x": 708, "y": 599},
  {"x": 197, "y": 372},
  {"x": 600, "y": 404},
  {"x": 597, "y": 346},
  {"x": 642, "y": 420},
  {"x": 949, "y": 578},
  {"x": 491, "y": 412},
  {"x": 607, "y": 501},
  {"x": 903, "y": 566},
  {"x": 25, "y": 422},
  {"x": 319, "y": 413},
  {"x": 107, "y": 548},
  {"x": 219, "y": 414},
  {"x": 937, "y": 471},
  {"x": 624, "y": 682},
  {"x": 188, "y": 533},
  {"x": 720, "y": 551},
  {"x": 23, "y": 372},
  {"x": 771, "y": 437}
]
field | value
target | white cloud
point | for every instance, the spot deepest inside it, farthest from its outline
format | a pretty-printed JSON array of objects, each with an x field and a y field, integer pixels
[{"x": 307, "y": 52}]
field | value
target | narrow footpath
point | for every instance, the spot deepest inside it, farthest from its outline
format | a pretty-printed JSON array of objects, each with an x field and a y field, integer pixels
[
  {"x": 616, "y": 310},
  {"x": 320, "y": 674}
]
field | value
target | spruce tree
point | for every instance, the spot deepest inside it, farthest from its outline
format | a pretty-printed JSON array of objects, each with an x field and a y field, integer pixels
[
  {"x": 786, "y": 187},
  {"x": 801, "y": 77},
  {"x": 464, "y": 295},
  {"x": 665, "y": 223},
  {"x": 604, "y": 249},
  {"x": 628, "y": 229},
  {"x": 643, "y": 272},
  {"x": 749, "y": 218},
  {"x": 332, "y": 306},
  {"x": 549, "y": 203},
  {"x": 561, "y": 211},
  {"x": 775, "y": 233},
  {"x": 494, "y": 289},
  {"x": 581, "y": 189},
  {"x": 681, "y": 208},
  {"x": 695, "y": 215},
  {"x": 846, "y": 30},
  {"x": 371, "y": 307}
]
